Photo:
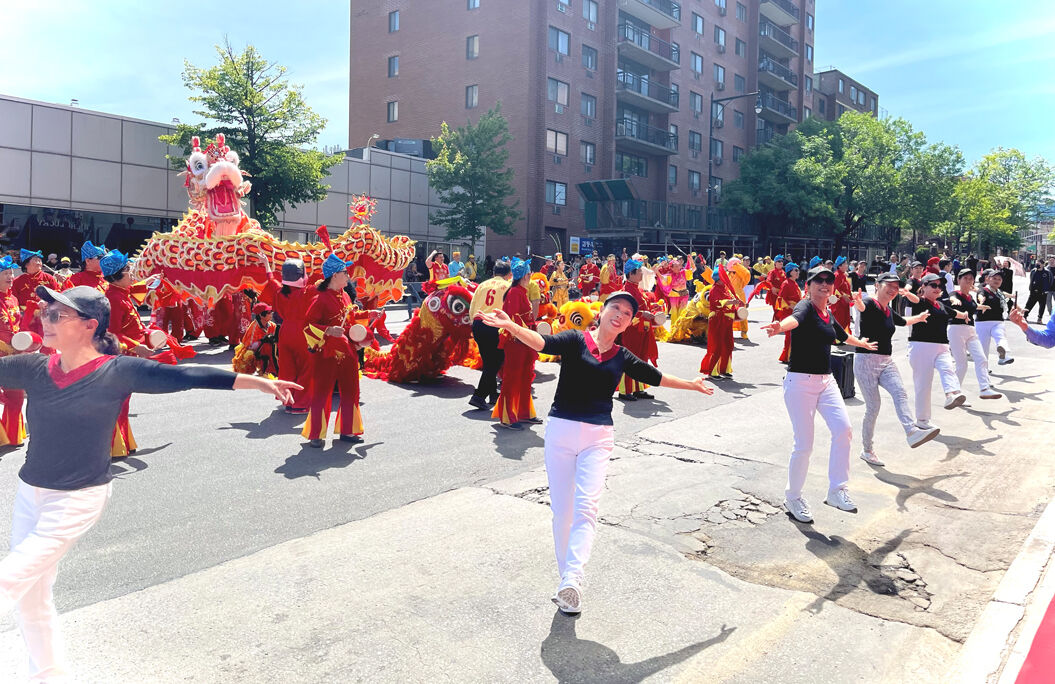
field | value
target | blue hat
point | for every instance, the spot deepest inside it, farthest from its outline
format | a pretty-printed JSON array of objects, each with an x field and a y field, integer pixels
[
  {"x": 714, "y": 273},
  {"x": 839, "y": 261},
  {"x": 113, "y": 262},
  {"x": 519, "y": 267},
  {"x": 814, "y": 261},
  {"x": 334, "y": 264},
  {"x": 25, "y": 255},
  {"x": 779, "y": 257},
  {"x": 7, "y": 263},
  {"x": 90, "y": 251},
  {"x": 631, "y": 265},
  {"x": 788, "y": 268}
]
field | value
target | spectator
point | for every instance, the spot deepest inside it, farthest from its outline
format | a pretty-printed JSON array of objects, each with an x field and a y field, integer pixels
[{"x": 1040, "y": 286}]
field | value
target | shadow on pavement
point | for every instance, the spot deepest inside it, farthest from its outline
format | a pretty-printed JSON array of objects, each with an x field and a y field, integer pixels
[
  {"x": 277, "y": 423},
  {"x": 131, "y": 464},
  {"x": 1015, "y": 396},
  {"x": 573, "y": 660},
  {"x": 989, "y": 418},
  {"x": 512, "y": 444},
  {"x": 853, "y": 565},
  {"x": 645, "y": 408},
  {"x": 909, "y": 486},
  {"x": 310, "y": 462},
  {"x": 957, "y": 445},
  {"x": 444, "y": 387}
]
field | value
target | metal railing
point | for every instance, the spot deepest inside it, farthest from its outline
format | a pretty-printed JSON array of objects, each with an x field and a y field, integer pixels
[
  {"x": 768, "y": 29},
  {"x": 627, "y": 80},
  {"x": 780, "y": 71},
  {"x": 638, "y": 131},
  {"x": 763, "y": 135},
  {"x": 668, "y": 7},
  {"x": 784, "y": 5},
  {"x": 629, "y": 33},
  {"x": 770, "y": 101}
]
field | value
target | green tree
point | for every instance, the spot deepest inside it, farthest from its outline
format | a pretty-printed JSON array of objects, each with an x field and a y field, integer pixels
[
  {"x": 980, "y": 219},
  {"x": 471, "y": 178},
  {"x": 264, "y": 119},
  {"x": 928, "y": 175},
  {"x": 1025, "y": 185}
]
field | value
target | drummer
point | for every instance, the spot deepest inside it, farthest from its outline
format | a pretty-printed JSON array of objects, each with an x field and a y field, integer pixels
[{"x": 725, "y": 308}]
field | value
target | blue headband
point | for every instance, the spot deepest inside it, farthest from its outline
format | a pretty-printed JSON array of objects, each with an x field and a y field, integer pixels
[
  {"x": 714, "y": 272},
  {"x": 631, "y": 265},
  {"x": 839, "y": 261},
  {"x": 334, "y": 264},
  {"x": 814, "y": 261},
  {"x": 7, "y": 263},
  {"x": 790, "y": 267},
  {"x": 25, "y": 255},
  {"x": 90, "y": 251},
  {"x": 519, "y": 267},
  {"x": 112, "y": 263}
]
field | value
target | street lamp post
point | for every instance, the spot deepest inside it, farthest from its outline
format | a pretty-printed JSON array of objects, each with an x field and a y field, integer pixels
[
  {"x": 710, "y": 136},
  {"x": 366, "y": 148}
]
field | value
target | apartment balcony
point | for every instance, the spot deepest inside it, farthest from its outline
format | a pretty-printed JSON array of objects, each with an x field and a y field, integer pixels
[
  {"x": 644, "y": 139},
  {"x": 777, "y": 110},
  {"x": 780, "y": 12},
  {"x": 661, "y": 14},
  {"x": 776, "y": 76},
  {"x": 776, "y": 41},
  {"x": 644, "y": 48},
  {"x": 644, "y": 93},
  {"x": 763, "y": 135}
]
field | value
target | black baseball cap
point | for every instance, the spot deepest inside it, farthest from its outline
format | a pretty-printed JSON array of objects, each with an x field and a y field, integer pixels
[
  {"x": 931, "y": 278},
  {"x": 85, "y": 300},
  {"x": 817, "y": 271},
  {"x": 888, "y": 277},
  {"x": 622, "y": 294},
  {"x": 916, "y": 263},
  {"x": 964, "y": 271},
  {"x": 992, "y": 272}
]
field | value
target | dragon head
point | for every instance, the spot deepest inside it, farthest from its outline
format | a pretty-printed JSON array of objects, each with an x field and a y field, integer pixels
[
  {"x": 447, "y": 309},
  {"x": 215, "y": 184},
  {"x": 576, "y": 315}
]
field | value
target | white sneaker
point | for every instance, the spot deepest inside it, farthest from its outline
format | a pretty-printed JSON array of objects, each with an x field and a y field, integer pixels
[
  {"x": 955, "y": 399},
  {"x": 989, "y": 393},
  {"x": 840, "y": 499},
  {"x": 921, "y": 435},
  {"x": 923, "y": 425},
  {"x": 871, "y": 459},
  {"x": 568, "y": 598},
  {"x": 799, "y": 509}
]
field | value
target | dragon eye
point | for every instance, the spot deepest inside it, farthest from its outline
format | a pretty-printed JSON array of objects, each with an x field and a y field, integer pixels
[
  {"x": 433, "y": 303},
  {"x": 198, "y": 164},
  {"x": 458, "y": 306},
  {"x": 576, "y": 319}
]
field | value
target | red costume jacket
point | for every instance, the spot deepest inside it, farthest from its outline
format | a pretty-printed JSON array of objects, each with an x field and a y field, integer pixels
[
  {"x": 332, "y": 308},
  {"x": 9, "y": 320},
  {"x": 589, "y": 277},
  {"x": 841, "y": 308},
  {"x": 124, "y": 318},
  {"x": 90, "y": 278},
  {"x": 774, "y": 280}
]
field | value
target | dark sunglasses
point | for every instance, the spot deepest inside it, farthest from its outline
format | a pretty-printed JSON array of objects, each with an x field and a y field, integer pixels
[
  {"x": 53, "y": 316},
  {"x": 825, "y": 280},
  {"x": 931, "y": 284}
]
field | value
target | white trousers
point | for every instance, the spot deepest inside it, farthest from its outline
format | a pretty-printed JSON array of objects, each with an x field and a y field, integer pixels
[
  {"x": 925, "y": 357},
  {"x": 991, "y": 331},
  {"x": 873, "y": 371},
  {"x": 577, "y": 457},
  {"x": 45, "y": 525},
  {"x": 963, "y": 339},
  {"x": 806, "y": 395}
]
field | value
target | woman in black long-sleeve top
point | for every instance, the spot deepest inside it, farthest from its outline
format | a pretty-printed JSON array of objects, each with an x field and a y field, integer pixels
[
  {"x": 74, "y": 397},
  {"x": 579, "y": 439}
]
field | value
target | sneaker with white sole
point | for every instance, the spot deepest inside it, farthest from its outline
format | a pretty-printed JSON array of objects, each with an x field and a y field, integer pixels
[
  {"x": 799, "y": 509},
  {"x": 870, "y": 458},
  {"x": 955, "y": 399},
  {"x": 568, "y": 598},
  {"x": 989, "y": 393},
  {"x": 923, "y": 425},
  {"x": 840, "y": 499},
  {"x": 921, "y": 435}
]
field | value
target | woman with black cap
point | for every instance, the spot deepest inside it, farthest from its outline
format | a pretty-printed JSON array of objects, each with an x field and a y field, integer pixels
[
  {"x": 928, "y": 349},
  {"x": 963, "y": 338},
  {"x": 810, "y": 388},
  {"x": 990, "y": 321},
  {"x": 579, "y": 437},
  {"x": 74, "y": 398}
]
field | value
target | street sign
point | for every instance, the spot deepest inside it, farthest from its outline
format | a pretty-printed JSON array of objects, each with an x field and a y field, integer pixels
[
  {"x": 573, "y": 245},
  {"x": 586, "y": 244}
]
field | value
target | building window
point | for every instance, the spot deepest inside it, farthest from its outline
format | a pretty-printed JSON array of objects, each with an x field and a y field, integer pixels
[
  {"x": 472, "y": 47},
  {"x": 853, "y": 93},
  {"x": 739, "y": 83},
  {"x": 473, "y": 4},
  {"x": 556, "y": 193},
  {"x": 562, "y": 5},
  {"x": 631, "y": 165},
  {"x": 809, "y": 53},
  {"x": 719, "y": 73},
  {"x": 589, "y": 11},
  {"x": 695, "y": 140},
  {"x": 738, "y": 153},
  {"x": 822, "y": 105},
  {"x": 697, "y": 24},
  {"x": 738, "y": 119},
  {"x": 695, "y": 102},
  {"x": 741, "y": 48},
  {"x": 672, "y": 175},
  {"x": 696, "y": 63},
  {"x": 842, "y": 110},
  {"x": 393, "y": 111},
  {"x": 841, "y": 86},
  {"x": 588, "y": 106},
  {"x": 806, "y": 113},
  {"x": 861, "y": 97},
  {"x": 556, "y": 142},
  {"x": 587, "y": 152},
  {"x": 472, "y": 96},
  {"x": 716, "y": 186},
  {"x": 695, "y": 179},
  {"x": 557, "y": 91},
  {"x": 717, "y": 147},
  {"x": 589, "y": 57},
  {"x": 741, "y": 12},
  {"x": 873, "y": 102},
  {"x": 718, "y": 111},
  {"x": 808, "y": 84},
  {"x": 809, "y": 21},
  {"x": 719, "y": 36},
  {"x": 673, "y": 129},
  {"x": 393, "y": 21},
  {"x": 393, "y": 66},
  {"x": 559, "y": 40},
  {"x": 720, "y": 4}
]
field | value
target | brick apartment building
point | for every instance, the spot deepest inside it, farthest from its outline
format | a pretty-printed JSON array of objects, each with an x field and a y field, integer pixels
[
  {"x": 835, "y": 92},
  {"x": 593, "y": 90}
]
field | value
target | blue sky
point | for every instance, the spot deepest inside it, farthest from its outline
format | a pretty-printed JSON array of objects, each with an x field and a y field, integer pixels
[{"x": 974, "y": 73}]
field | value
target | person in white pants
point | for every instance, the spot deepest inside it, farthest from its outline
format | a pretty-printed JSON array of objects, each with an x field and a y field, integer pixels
[
  {"x": 809, "y": 389},
  {"x": 579, "y": 442},
  {"x": 963, "y": 338},
  {"x": 990, "y": 322},
  {"x": 928, "y": 350}
]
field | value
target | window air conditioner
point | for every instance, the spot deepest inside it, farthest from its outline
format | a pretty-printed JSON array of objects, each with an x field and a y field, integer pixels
[
  {"x": 556, "y": 209},
  {"x": 561, "y": 7},
  {"x": 560, "y": 58},
  {"x": 717, "y": 161},
  {"x": 719, "y": 85},
  {"x": 591, "y": 26},
  {"x": 718, "y": 123},
  {"x": 721, "y": 49},
  {"x": 696, "y": 75},
  {"x": 587, "y": 121},
  {"x": 558, "y": 108},
  {"x": 695, "y": 154},
  {"x": 556, "y": 159},
  {"x": 587, "y": 168},
  {"x": 589, "y": 74},
  {"x": 721, "y": 11}
]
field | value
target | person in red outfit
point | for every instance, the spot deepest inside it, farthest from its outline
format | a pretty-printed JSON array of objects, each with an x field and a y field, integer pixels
[
  {"x": 841, "y": 308},
  {"x": 518, "y": 370},
  {"x": 25, "y": 289},
  {"x": 639, "y": 338},
  {"x": 787, "y": 298},
  {"x": 589, "y": 278},
  {"x": 291, "y": 297},
  {"x": 773, "y": 282},
  {"x": 611, "y": 279},
  {"x": 437, "y": 269},
  {"x": 12, "y": 426},
  {"x": 336, "y": 363},
  {"x": 724, "y": 305},
  {"x": 92, "y": 274}
]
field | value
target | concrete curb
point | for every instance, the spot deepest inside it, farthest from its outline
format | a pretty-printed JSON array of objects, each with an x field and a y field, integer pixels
[{"x": 1003, "y": 634}]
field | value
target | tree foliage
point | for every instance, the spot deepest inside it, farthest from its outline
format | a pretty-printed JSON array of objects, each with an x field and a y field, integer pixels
[
  {"x": 469, "y": 173},
  {"x": 265, "y": 119}
]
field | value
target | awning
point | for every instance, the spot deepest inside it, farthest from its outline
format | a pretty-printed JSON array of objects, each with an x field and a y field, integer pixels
[{"x": 615, "y": 189}]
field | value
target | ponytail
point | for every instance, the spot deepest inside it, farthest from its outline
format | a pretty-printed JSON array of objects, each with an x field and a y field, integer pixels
[{"x": 106, "y": 344}]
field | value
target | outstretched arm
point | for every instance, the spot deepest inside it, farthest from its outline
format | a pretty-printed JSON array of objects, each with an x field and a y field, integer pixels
[
  {"x": 501, "y": 320},
  {"x": 280, "y": 389}
]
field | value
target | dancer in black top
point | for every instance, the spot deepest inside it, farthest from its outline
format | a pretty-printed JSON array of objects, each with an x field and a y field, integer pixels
[
  {"x": 990, "y": 321},
  {"x": 963, "y": 338},
  {"x": 74, "y": 397},
  {"x": 579, "y": 439},
  {"x": 928, "y": 349}
]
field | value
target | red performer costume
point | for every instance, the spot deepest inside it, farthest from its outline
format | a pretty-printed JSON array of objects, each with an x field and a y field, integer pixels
[
  {"x": 518, "y": 369},
  {"x": 25, "y": 290},
  {"x": 611, "y": 280},
  {"x": 291, "y": 299},
  {"x": 90, "y": 278},
  {"x": 336, "y": 363},
  {"x": 589, "y": 277},
  {"x": 773, "y": 282},
  {"x": 13, "y": 431},
  {"x": 841, "y": 308},
  {"x": 789, "y": 296},
  {"x": 638, "y": 338},
  {"x": 125, "y": 324},
  {"x": 719, "y": 358}
]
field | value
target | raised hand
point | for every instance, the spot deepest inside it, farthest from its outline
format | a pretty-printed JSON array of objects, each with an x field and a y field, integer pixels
[
  {"x": 857, "y": 298},
  {"x": 700, "y": 385},
  {"x": 772, "y": 328}
]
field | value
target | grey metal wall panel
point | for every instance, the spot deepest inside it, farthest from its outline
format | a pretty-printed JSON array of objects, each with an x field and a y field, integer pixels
[
  {"x": 14, "y": 172},
  {"x": 144, "y": 187},
  {"x": 98, "y": 137},
  {"x": 97, "y": 182},
  {"x": 16, "y": 121},
  {"x": 51, "y": 130},
  {"x": 51, "y": 176}
]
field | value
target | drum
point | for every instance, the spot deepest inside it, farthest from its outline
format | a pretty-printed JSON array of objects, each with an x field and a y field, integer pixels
[
  {"x": 661, "y": 317},
  {"x": 833, "y": 299},
  {"x": 156, "y": 338},
  {"x": 544, "y": 328},
  {"x": 26, "y": 341},
  {"x": 741, "y": 313},
  {"x": 357, "y": 333}
]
